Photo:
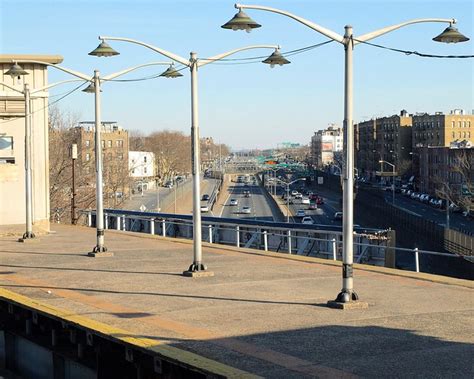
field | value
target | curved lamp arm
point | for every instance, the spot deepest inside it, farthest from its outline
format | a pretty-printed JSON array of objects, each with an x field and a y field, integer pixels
[
  {"x": 67, "y": 70},
  {"x": 223, "y": 55},
  {"x": 54, "y": 85},
  {"x": 123, "y": 72},
  {"x": 10, "y": 87},
  {"x": 328, "y": 33},
  {"x": 167, "y": 54},
  {"x": 388, "y": 29}
]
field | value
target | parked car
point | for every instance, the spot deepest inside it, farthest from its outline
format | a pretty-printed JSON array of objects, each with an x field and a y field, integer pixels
[
  {"x": 204, "y": 208},
  {"x": 205, "y": 197},
  {"x": 234, "y": 202},
  {"x": 246, "y": 193},
  {"x": 320, "y": 201},
  {"x": 169, "y": 184},
  {"x": 307, "y": 220},
  {"x": 294, "y": 193},
  {"x": 313, "y": 196},
  {"x": 300, "y": 213},
  {"x": 246, "y": 210},
  {"x": 338, "y": 216},
  {"x": 298, "y": 195},
  {"x": 305, "y": 200},
  {"x": 313, "y": 206}
]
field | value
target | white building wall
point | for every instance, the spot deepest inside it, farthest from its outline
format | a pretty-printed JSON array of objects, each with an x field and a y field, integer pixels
[
  {"x": 141, "y": 164},
  {"x": 12, "y": 176}
]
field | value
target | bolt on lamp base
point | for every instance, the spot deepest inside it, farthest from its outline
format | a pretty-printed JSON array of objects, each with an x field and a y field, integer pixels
[
  {"x": 197, "y": 270},
  {"x": 100, "y": 251},
  {"x": 347, "y": 300}
]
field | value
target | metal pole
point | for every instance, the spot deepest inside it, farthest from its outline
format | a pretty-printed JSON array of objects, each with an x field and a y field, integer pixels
[
  {"x": 237, "y": 236},
  {"x": 448, "y": 202},
  {"x": 99, "y": 248},
  {"x": 197, "y": 264},
  {"x": 73, "y": 199},
  {"x": 417, "y": 262},
  {"x": 28, "y": 175},
  {"x": 334, "y": 250},
  {"x": 287, "y": 203},
  {"x": 393, "y": 184},
  {"x": 265, "y": 240},
  {"x": 347, "y": 293},
  {"x": 175, "y": 189}
]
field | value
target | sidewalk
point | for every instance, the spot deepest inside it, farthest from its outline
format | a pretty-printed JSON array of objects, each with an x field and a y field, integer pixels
[{"x": 264, "y": 313}]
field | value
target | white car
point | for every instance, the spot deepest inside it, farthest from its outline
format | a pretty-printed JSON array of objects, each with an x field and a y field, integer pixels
[
  {"x": 300, "y": 213},
  {"x": 294, "y": 193},
  {"x": 307, "y": 220},
  {"x": 234, "y": 202},
  {"x": 298, "y": 195},
  {"x": 305, "y": 200},
  {"x": 246, "y": 210},
  {"x": 204, "y": 208}
]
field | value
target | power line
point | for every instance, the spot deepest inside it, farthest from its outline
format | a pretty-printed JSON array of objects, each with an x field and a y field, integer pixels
[{"x": 408, "y": 52}]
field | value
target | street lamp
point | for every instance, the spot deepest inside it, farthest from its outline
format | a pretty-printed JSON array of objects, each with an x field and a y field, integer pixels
[
  {"x": 16, "y": 70},
  {"x": 393, "y": 178},
  {"x": 348, "y": 41},
  {"x": 288, "y": 184},
  {"x": 197, "y": 268}
]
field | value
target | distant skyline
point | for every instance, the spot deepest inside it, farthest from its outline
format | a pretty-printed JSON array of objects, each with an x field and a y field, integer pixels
[{"x": 248, "y": 105}]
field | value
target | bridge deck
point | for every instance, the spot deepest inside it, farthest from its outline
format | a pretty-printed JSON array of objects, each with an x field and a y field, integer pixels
[{"x": 262, "y": 314}]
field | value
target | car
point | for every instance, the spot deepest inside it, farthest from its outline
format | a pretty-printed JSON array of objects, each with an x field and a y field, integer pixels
[
  {"x": 304, "y": 200},
  {"x": 338, "y": 216},
  {"x": 246, "y": 210},
  {"x": 233, "y": 202},
  {"x": 313, "y": 196},
  {"x": 298, "y": 195},
  {"x": 319, "y": 201},
  {"x": 204, "y": 208},
  {"x": 246, "y": 193},
  {"x": 205, "y": 197},
  {"x": 300, "y": 213},
  {"x": 313, "y": 206},
  {"x": 307, "y": 220},
  {"x": 169, "y": 184},
  {"x": 455, "y": 208},
  {"x": 294, "y": 193},
  {"x": 404, "y": 190}
]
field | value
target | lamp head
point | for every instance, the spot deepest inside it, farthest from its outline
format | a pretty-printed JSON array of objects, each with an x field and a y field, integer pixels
[
  {"x": 380, "y": 161},
  {"x": 104, "y": 50},
  {"x": 241, "y": 21},
  {"x": 90, "y": 88},
  {"x": 276, "y": 59},
  {"x": 451, "y": 35},
  {"x": 171, "y": 72},
  {"x": 16, "y": 71}
]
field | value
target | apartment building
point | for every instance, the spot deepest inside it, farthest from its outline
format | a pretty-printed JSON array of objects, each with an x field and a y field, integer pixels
[
  {"x": 326, "y": 146},
  {"x": 142, "y": 169},
  {"x": 442, "y": 129},
  {"x": 115, "y": 147}
]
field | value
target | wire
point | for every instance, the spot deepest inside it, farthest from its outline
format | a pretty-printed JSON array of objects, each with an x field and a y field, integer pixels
[
  {"x": 287, "y": 53},
  {"x": 49, "y": 104},
  {"x": 408, "y": 52}
]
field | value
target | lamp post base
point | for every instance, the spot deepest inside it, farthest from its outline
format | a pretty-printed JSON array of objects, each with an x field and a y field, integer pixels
[
  {"x": 197, "y": 270},
  {"x": 100, "y": 251},
  {"x": 347, "y": 300},
  {"x": 28, "y": 237}
]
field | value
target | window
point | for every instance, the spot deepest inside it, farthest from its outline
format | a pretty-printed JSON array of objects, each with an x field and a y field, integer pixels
[
  {"x": 459, "y": 124},
  {"x": 454, "y": 134},
  {"x": 103, "y": 143},
  {"x": 144, "y": 159},
  {"x": 87, "y": 143},
  {"x": 119, "y": 143},
  {"x": 88, "y": 157},
  {"x": 464, "y": 124},
  {"x": 120, "y": 156},
  {"x": 144, "y": 170},
  {"x": 453, "y": 124},
  {"x": 109, "y": 143},
  {"x": 87, "y": 170},
  {"x": 6, "y": 143}
]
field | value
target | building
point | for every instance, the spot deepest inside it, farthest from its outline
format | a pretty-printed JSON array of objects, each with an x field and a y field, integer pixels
[
  {"x": 326, "y": 146},
  {"x": 447, "y": 171},
  {"x": 115, "y": 147},
  {"x": 442, "y": 129},
  {"x": 141, "y": 166},
  {"x": 12, "y": 147}
]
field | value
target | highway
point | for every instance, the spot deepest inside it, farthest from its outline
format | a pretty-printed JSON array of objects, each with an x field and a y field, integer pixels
[{"x": 259, "y": 207}]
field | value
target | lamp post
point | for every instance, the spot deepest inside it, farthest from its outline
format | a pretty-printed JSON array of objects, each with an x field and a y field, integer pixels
[
  {"x": 393, "y": 178},
  {"x": 288, "y": 184},
  {"x": 197, "y": 268},
  {"x": 242, "y": 21},
  {"x": 16, "y": 70},
  {"x": 73, "y": 190}
]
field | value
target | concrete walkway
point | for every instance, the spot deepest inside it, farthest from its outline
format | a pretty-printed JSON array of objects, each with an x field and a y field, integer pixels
[{"x": 264, "y": 313}]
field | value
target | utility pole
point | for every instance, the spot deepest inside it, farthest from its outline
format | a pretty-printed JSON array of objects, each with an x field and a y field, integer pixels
[{"x": 73, "y": 194}]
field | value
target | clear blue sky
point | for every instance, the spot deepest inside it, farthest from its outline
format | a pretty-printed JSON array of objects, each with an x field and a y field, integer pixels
[{"x": 248, "y": 105}]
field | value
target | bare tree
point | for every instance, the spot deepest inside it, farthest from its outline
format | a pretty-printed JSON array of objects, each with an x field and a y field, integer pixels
[{"x": 137, "y": 140}]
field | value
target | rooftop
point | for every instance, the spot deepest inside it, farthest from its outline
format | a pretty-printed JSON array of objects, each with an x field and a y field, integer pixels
[{"x": 264, "y": 313}]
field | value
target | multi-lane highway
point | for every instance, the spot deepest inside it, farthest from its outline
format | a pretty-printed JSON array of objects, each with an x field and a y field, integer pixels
[{"x": 256, "y": 202}]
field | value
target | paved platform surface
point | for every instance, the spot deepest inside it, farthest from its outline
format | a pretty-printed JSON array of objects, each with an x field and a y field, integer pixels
[{"x": 262, "y": 313}]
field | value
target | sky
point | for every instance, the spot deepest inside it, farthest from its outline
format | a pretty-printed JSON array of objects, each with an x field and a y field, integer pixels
[{"x": 248, "y": 105}]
